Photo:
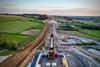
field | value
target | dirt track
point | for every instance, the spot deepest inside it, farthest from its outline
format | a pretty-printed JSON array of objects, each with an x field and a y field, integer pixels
[{"x": 15, "y": 60}]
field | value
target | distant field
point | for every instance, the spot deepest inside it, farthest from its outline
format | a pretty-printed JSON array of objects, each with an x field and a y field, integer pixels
[
  {"x": 84, "y": 29},
  {"x": 94, "y": 33},
  {"x": 16, "y": 24},
  {"x": 86, "y": 35},
  {"x": 10, "y": 28}
]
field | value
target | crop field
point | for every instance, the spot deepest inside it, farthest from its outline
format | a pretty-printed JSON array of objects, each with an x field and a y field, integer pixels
[
  {"x": 84, "y": 34},
  {"x": 11, "y": 24},
  {"x": 10, "y": 29},
  {"x": 94, "y": 33},
  {"x": 83, "y": 29},
  {"x": 15, "y": 38}
]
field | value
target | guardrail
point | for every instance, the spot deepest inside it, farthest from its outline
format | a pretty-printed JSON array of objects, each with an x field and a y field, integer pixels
[{"x": 18, "y": 58}]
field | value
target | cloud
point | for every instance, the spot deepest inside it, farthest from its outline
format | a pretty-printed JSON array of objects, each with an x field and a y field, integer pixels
[
  {"x": 51, "y": 11},
  {"x": 76, "y": 12}
]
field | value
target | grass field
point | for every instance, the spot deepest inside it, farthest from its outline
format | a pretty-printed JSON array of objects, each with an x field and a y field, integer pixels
[
  {"x": 84, "y": 34},
  {"x": 15, "y": 38},
  {"x": 15, "y": 24},
  {"x": 10, "y": 29},
  {"x": 94, "y": 33}
]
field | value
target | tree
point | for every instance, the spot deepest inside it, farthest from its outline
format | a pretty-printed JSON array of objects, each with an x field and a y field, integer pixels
[
  {"x": 9, "y": 45},
  {"x": 43, "y": 17}
]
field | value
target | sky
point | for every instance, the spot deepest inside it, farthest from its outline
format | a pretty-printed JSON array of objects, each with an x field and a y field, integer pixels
[{"x": 52, "y": 7}]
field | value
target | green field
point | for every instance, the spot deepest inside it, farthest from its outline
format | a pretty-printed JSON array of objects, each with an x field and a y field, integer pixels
[
  {"x": 17, "y": 24},
  {"x": 83, "y": 29},
  {"x": 85, "y": 34},
  {"x": 11, "y": 40},
  {"x": 94, "y": 33},
  {"x": 15, "y": 38}
]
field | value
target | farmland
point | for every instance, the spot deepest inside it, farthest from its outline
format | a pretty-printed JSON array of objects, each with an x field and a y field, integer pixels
[
  {"x": 11, "y": 40},
  {"x": 85, "y": 29},
  {"x": 10, "y": 24}
]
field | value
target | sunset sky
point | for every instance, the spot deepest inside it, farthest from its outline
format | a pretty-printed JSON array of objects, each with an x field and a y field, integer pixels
[{"x": 53, "y": 7}]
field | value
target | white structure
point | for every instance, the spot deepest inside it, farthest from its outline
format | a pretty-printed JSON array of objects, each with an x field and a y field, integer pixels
[
  {"x": 53, "y": 22},
  {"x": 53, "y": 26}
]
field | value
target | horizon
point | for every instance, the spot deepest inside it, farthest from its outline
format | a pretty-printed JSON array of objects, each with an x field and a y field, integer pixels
[{"x": 51, "y": 7}]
